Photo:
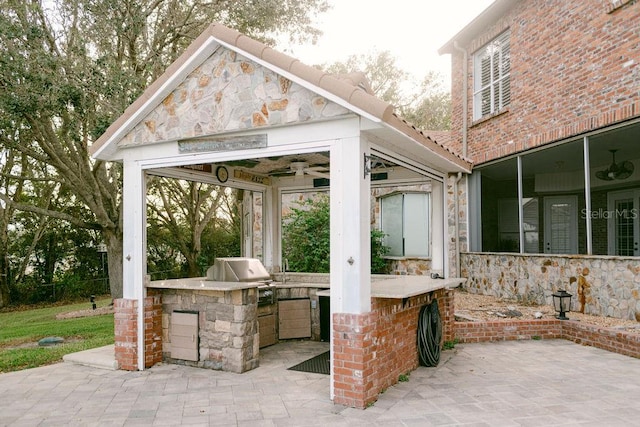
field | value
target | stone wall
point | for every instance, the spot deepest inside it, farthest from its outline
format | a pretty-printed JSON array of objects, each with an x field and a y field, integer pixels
[
  {"x": 457, "y": 211},
  {"x": 229, "y": 92},
  {"x": 228, "y": 327},
  {"x": 604, "y": 286}
]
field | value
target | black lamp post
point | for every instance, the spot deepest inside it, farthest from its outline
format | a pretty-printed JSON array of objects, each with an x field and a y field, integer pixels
[{"x": 562, "y": 303}]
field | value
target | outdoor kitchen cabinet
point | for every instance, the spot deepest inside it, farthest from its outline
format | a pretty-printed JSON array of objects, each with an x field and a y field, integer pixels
[
  {"x": 267, "y": 323},
  {"x": 294, "y": 318},
  {"x": 184, "y": 335}
]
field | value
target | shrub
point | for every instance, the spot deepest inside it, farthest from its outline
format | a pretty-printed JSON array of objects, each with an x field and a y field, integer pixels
[{"x": 306, "y": 235}]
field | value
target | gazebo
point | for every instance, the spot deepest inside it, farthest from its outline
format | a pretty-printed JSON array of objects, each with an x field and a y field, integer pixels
[{"x": 235, "y": 112}]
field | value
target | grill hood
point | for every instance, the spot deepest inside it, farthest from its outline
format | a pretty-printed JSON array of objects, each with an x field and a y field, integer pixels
[{"x": 237, "y": 269}]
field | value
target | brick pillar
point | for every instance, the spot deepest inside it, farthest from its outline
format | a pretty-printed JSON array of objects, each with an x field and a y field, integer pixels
[
  {"x": 126, "y": 332},
  {"x": 152, "y": 328},
  {"x": 354, "y": 370},
  {"x": 447, "y": 313}
]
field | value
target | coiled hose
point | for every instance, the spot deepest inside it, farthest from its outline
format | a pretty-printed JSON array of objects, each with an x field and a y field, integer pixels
[{"x": 429, "y": 334}]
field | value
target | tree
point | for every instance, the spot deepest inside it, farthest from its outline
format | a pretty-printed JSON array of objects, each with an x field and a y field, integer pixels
[
  {"x": 69, "y": 68},
  {"x": 432, "y": 109},
  {"x": 426, "y": 105},
  {"x": 7, "y": 186},
  {"x": 181, "y": 211}
]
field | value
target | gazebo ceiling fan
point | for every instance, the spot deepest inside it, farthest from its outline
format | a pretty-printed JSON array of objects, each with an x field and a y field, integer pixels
[
  {"x": 621, "y": 170},
  {"x": 300, "y": 168}
]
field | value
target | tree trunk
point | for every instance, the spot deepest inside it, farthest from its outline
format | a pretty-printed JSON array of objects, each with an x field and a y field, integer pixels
[
  {"x": 4, "y": 281},
  {"x": 113, "y": 240},
  {"x": 192, "y": 263}
]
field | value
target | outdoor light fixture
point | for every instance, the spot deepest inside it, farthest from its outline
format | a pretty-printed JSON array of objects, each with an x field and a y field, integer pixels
[
  {"x": 562, "y": 303},
  {"x": 370, "y": 163}
]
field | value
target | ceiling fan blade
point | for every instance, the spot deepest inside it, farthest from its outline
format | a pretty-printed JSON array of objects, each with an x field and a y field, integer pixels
[
  {"x": 604, "y": 175},
  {"x": 314, "y": 172},
  {"x": 625, "y": 170}
]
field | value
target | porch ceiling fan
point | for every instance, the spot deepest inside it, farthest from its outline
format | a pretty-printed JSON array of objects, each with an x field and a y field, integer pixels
[
  {"x": 300, "y": 168},
  {"x": 621, "y": 170}
]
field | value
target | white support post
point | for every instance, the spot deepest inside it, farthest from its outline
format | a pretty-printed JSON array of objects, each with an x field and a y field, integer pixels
[
  {"x": 271, "y": 232},
  {"x": 134, "y": 244},
  {"x": 350, "y": 228},
  {"x": 439, "y": 227}
]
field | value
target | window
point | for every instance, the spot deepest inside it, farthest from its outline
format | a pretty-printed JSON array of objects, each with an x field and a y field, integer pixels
[
  {"x": 405, "y": 222},
  {"x": 543, "y": 201},
  {"x": 491, "y": 82}
]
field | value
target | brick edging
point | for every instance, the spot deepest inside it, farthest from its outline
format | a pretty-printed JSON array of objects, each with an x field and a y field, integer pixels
[{"x": 613, "y": 340}]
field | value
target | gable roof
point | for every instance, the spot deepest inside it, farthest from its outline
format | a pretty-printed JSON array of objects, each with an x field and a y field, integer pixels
[{"x": 349, "y": 90}]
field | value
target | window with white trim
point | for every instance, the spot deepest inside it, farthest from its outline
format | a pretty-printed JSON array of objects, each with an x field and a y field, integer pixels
[
  {"x": 405, "y": 222},
  {"x": 491, "y": 77}
]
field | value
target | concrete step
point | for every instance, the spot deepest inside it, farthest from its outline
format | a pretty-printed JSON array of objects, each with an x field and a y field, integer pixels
[{"x": 100, "y": 357}]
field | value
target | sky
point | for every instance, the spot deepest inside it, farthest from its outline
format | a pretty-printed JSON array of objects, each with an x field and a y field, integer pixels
[{"x": 412, "y": 30}]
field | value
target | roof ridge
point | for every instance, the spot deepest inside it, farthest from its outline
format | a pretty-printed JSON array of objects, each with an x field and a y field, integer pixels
[{"x": 351, "y": 87}]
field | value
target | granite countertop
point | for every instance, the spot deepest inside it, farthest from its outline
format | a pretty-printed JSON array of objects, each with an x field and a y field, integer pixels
[
  {"x": 388, "y": 287},
  {"x": 409, "y": 286},
  {"x": 201, "y": 284},
  {"x": 401, "y": 287}
]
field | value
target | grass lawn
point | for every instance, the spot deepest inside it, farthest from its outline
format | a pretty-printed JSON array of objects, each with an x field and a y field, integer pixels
[{"x": 21, "y": 330}]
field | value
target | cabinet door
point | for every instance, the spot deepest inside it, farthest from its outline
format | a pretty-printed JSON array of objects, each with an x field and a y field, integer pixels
[
  {"x": 267, "y": 329},
  {"x": 184, "y": 336},
  {"x": 294, "y": 318}
]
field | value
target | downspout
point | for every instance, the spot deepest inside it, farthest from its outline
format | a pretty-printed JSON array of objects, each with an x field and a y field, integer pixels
[
  {"x": 465, "y": 99},
  {"x": 457, "y": 222},
  {"x": 465, "y": 112}
]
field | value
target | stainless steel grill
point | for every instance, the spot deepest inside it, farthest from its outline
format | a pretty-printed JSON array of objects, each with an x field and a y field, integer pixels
[{"x": 239, "y": 269}]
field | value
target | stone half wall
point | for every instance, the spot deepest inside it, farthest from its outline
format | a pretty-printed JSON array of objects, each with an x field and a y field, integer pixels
[
  {"x": 603, "y": 286},
  {"x": 372, "y": 350},
  {"x": 227, "y": 327},
  {"x": 228, "y": 92}
]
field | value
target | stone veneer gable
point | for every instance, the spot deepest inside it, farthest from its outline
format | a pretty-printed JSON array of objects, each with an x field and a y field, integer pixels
[{"x": 229, "y": 92}]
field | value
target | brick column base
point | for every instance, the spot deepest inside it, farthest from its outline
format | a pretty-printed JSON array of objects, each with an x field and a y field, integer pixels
[
  {"x": 126, "y": 332},
  {"x": 372, "y": 350},
  {"x": 353, "y": 359},
  {"x": 447, "y": 313}
]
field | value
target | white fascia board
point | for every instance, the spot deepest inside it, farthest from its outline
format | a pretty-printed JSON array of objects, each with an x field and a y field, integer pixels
[
  {"x": 304, "y": 83},
  {"x": 406, "y": 162},
  {"x": 203, "y": 52},
  {"x": 415, "y": 144},
  {"x": 283, "y": 140}
]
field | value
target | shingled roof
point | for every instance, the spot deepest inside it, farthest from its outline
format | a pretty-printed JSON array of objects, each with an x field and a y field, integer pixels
[{"x": 353, "y": 89}]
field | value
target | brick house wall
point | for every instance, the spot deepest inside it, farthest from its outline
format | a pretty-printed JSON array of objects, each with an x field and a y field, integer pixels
[{"x": 575, "y": 67}]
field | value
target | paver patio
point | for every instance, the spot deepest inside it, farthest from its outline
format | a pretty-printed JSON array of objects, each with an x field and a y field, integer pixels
[{"x": 515, "y": 383}]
